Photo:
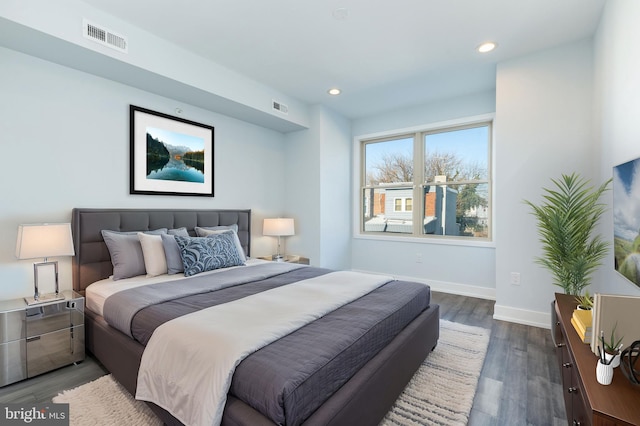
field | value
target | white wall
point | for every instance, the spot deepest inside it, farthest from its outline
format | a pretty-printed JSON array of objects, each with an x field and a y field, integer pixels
[
  {"x": 461, "y": 269},
  {"x": 65, "y": 143},
  {"x": 318, "y": 192},
  {"x": 302, "y": 186},
  {"x": 617, "y": 94},
  {"x": 53, "y": 31},
  {"x": 335, "y": 190},
  {"x": 544, "y": 127},
  {"x": 553, "y": 115}
]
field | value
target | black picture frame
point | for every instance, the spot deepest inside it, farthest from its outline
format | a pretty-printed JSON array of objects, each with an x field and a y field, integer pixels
[{"x": 170, "y": 155}]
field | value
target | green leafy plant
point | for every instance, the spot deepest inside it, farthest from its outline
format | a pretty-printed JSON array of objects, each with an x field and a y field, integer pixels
[
  {"x": 585, "y": 301},
  {"x": 566, "y": 221},
  {"x": 611, "y": 346}
]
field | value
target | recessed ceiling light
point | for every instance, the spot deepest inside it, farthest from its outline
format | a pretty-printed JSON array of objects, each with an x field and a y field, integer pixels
[
  {"x": 334, "y": 91},
  {"x": 487, "y": 47},
  {"x": 341, "y": 13}
]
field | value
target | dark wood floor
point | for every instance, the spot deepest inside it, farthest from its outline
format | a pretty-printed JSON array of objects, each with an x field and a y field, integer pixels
[{"x": 519, "y": 383}]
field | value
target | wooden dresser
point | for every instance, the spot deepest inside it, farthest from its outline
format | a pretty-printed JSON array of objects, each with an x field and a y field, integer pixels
[{"x": 587, "y": 402}]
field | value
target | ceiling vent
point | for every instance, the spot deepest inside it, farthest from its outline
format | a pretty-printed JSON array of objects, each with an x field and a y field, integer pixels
[
  {"x": 104, "y": 36},
  {"x": 280, "y": 107}
]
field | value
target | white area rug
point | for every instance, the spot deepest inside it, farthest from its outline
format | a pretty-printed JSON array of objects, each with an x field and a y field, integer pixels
[
  {"x": 442, "y": 390},
  {"x": 104, "y": 402},
  {"x": 440, "y": 393}
]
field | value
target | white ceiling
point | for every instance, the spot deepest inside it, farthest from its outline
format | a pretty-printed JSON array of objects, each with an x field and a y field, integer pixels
[{"x": 384, "y": 55}]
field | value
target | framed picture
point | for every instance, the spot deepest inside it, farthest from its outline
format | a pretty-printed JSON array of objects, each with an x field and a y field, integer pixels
[
  {"x": 169, "y": 155},
  {"x": 626, "y": 220}
]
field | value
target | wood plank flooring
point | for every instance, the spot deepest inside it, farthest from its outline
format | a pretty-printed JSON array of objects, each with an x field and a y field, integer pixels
[{"x": 519, "y": 383}]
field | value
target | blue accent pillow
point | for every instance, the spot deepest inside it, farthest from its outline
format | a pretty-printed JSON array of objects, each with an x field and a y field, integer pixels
[
  {"x": 200, "y": 254},
  {"x": 172, "y": 254},
  {"x": 205, "y": 232}
]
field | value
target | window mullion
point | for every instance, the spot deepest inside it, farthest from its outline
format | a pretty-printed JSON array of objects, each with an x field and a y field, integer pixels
[{"x": 418, "y": 177}]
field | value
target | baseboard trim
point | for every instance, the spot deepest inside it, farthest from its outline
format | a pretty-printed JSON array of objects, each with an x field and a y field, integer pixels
[
  {"x": 447, "y": 287},
  {"x": 522, "y": 316}
]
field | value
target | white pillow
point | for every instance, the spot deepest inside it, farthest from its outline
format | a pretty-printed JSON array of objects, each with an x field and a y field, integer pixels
[{"x": 155, "y": 261}]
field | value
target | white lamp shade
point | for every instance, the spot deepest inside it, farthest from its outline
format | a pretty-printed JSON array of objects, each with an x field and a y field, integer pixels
[
  {"x": 44, "y": 240},
  {"x": 279, "y": 227}
]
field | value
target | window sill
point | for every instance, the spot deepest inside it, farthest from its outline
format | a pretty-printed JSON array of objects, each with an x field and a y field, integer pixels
[{"x": 451, "y": 241}]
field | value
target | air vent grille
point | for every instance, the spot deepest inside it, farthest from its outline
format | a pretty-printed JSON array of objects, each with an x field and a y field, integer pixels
[
  {"x": 104, "y": 36},
  {"x": 278, "y": 106}
]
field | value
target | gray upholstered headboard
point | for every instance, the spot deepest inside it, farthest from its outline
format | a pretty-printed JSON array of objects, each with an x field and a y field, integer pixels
[{"x": 92, "y": 261}]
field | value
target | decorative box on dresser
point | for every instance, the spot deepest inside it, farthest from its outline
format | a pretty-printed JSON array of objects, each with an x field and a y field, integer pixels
[
  {"x": 587, "y": 402},
  {"x": 39, "y": 338}
]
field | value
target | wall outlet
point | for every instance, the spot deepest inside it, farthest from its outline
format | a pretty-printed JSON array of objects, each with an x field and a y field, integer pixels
[
  {"x": 418, "y": 257},
  {"x": 515, "y": 278}
]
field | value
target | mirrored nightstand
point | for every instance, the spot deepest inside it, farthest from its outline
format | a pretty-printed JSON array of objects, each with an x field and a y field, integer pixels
[
  {"x": 289, "y": 258},
  {"x": 39, "y": 338}
]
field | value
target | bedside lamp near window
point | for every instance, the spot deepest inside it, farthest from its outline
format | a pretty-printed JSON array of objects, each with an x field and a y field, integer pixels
[
  {"x": 44, "y": 240},
  {"x": 280, "y": 227}
]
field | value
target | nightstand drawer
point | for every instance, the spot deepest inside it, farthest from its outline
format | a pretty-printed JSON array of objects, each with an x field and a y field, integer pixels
[
  {"x": 52, "y": 350},
  {"x": 12, "y": 326},
  {"x": 53, "y": 317},
  {"x": 13, "y": 362}
]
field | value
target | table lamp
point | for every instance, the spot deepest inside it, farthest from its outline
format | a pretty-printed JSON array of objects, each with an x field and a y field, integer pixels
[
  {"x": 280, "y": 227},
  {"x": 44, "y": 240}
]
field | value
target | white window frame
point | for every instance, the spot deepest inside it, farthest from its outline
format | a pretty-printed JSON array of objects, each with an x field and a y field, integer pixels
[{"x": 415, "y": 238}]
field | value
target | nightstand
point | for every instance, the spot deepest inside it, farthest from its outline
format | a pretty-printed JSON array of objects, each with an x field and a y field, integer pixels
[
  {"x": 39, "y": 338},
  {"x": 289, "y": 259}
]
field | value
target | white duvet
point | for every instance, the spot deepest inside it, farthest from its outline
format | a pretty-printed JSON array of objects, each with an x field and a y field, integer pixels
[
  {"x": 188, "y": 364},
  {"x": 98, "y": 292}
]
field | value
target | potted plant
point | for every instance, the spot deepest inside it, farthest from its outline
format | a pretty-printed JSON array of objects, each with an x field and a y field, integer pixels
[
  {"x": 585, "y": 301},
  {"x": 612, "y": 347},
  {"x": 566, "y": 221}
]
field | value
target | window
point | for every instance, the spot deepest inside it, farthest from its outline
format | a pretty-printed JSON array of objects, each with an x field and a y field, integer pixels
[
  {"x": 408, "y": 204},
  {"x": 446, "y": 169},
  {"x": 402, "y": 204}
]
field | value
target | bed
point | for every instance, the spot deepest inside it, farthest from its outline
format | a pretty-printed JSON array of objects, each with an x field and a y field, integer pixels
[{"x": 362, "y": 398}]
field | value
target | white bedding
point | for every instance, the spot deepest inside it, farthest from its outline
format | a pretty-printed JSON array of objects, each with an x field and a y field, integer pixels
[
  {"x": 188, "y": 363},
  {"x": 98, "y": 292}
]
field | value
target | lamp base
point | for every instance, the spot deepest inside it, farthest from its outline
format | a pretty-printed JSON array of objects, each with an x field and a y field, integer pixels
[
  {"x": 277, "y": 258},
  {"x": 44, "y": 298}
]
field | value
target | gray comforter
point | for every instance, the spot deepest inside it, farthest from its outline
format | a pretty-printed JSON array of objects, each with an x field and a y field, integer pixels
[{"x": 290, "y": 378}]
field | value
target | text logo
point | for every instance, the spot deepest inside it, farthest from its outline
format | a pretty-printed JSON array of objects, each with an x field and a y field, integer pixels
[{"x": 35, "y": 414}]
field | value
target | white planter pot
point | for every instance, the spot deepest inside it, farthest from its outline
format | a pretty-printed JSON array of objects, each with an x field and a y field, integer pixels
[
  {"x": 616, "y": 359},
  {"x": 604, "y": 373}
]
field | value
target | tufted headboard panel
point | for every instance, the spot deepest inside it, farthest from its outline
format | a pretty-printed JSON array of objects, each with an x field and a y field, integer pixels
[{"x": 92, "y": 261}]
